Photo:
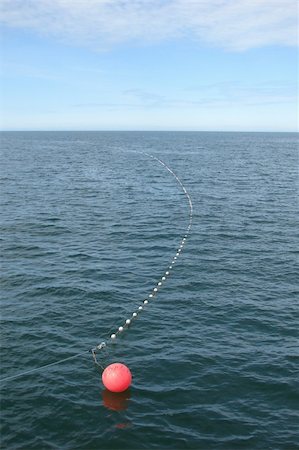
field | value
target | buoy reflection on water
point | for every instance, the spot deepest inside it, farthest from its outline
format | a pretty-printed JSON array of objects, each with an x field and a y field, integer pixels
[{"x": 116, "y": 401}]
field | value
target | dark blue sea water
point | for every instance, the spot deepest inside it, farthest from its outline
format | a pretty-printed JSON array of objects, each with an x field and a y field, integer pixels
[{"x": 89, "y": 226}]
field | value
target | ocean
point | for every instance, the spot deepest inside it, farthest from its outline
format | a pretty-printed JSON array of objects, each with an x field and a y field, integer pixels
[{"x": 90, "y": 224}]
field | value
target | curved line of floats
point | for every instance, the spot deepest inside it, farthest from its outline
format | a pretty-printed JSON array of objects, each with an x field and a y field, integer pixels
[{"x": 166, "y": 274}]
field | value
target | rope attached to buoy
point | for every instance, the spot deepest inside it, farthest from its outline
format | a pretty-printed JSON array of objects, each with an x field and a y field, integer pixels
[{"x": 95, "y": 350}]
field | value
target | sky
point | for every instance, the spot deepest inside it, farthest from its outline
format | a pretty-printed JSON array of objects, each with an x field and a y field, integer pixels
[{"x": 206, "y": 65}]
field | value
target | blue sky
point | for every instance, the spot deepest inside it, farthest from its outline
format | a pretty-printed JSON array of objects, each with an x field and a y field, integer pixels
[{"x": 149, "y": 65}]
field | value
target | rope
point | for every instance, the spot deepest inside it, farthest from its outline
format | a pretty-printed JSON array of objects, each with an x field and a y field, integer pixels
[
  {"x": 42, "y": 367},
  {"x": 145, "y": 302}
]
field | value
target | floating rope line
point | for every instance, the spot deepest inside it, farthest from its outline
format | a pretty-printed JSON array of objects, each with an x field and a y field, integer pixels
[
  {"x": 164, "y": 277},
  {"x": 95, "y": 350}
]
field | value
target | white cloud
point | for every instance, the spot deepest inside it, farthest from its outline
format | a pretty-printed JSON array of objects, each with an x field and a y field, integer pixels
[{"x": 230, "y": 24}]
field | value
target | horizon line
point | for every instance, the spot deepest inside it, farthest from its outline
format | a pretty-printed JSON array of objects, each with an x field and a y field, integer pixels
[{"x": 144, "y": 131}]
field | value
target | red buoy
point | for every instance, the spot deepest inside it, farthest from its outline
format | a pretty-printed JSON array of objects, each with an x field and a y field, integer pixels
[{"x": 117, "y": 377}]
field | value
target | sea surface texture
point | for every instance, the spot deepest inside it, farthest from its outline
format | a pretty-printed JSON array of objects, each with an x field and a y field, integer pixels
[{"x": 90, "y": 225}]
